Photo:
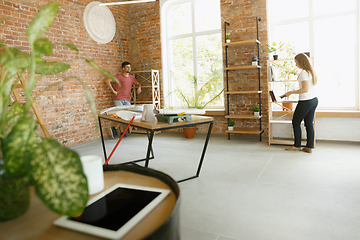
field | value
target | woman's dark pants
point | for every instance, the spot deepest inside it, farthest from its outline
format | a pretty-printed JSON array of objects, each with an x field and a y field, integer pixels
[{"x": 305, "y": 110}]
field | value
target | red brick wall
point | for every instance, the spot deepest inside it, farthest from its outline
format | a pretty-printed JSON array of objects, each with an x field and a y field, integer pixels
[
  {"x": 241, "y": 15},
  {"x": 64, "y": 108}
]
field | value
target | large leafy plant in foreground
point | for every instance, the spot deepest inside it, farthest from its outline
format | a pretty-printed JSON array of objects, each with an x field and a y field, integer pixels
[{"x": 55, "y": 170}]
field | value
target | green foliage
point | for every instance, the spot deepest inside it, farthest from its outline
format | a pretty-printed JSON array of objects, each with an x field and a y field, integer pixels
[
  {"x": 256, "y": 109},
  {"x": 199, "y": 98},
  {"x": 274, "y": 47},
  {"x": 227, "y": 36},
  {"x": 231, "y": 123},
  {"x": 55, "y": 171}
]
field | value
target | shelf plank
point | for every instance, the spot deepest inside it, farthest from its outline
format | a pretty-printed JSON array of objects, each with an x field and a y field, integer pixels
[
  {"x": 242, "y": 43},
  {"x": 245, "y": 131},
  {"x": 243, "y": 116},
  {"x": 243, "y": 67},
  {"x": 242, "y": 92},
  {"x": 283, "y": 121},
  {"x": 285, "y": 142}
]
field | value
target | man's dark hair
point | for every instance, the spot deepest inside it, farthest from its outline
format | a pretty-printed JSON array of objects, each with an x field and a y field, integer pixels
[{"x": 124, "y": 64}]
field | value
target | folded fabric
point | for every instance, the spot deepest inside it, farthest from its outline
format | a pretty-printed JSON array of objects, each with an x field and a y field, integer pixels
[
  {"x": 180, "y": 110},
  {"x": 127, "y": 115}
]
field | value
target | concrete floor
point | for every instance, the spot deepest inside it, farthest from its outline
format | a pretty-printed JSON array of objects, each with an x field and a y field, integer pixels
[{"x": 248, "y": 190}]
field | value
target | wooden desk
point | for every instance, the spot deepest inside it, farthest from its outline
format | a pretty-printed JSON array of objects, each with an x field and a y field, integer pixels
[
  {"x": 154, "y": 126},
  {"x": 37, "y": 222}
]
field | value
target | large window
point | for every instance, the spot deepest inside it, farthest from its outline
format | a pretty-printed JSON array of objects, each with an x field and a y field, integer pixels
[
  {"x": 192, "y": 54},
  {"x": 330, "y": 31}
]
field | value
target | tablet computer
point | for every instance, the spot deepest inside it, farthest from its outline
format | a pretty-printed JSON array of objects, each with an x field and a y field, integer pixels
[{"x": 113, "y": 212}]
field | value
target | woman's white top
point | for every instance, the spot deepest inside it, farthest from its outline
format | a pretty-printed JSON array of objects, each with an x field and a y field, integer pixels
[{"x": 310, "y": 94}]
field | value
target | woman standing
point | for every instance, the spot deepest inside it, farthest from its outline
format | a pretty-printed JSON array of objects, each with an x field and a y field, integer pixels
[{"x": 305, "y": 109}]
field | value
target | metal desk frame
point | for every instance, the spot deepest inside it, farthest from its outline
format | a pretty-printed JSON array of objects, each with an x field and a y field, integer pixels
[{"x": 150, "y": 133}]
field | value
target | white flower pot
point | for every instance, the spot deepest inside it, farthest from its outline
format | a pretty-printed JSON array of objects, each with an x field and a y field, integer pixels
[
  {"x": 256, "y": 113},
  {"x": 230, "y": 128},
  {"x": 227, "y": 40}
]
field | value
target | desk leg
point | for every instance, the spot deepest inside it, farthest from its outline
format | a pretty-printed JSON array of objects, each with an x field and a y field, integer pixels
[
  {"x": 202, "y": 155},
  {"x": 204, "y": 149},
  {"x": 149, "y": 150},
  {"x": 102, "y": 140}
]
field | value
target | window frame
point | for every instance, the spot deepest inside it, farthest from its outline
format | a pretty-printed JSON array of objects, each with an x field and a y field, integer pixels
[
  {"x": 310, "y": 20},
  {"x": 165, "y": 6}
]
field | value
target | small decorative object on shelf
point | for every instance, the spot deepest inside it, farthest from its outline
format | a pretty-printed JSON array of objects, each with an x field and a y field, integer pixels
[
  {"x": 231, "y": 124},
  {"x": 256, "y": 110},
  {"x": 227, "y": 37},
  {"x": 254, "y": 60}
]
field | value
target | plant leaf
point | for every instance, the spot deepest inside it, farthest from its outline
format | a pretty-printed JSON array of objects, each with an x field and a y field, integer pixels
[
  {"x": 43, "y": 46},
  {"x": 50, "y": 68},
  {"x": 41, "y": 22},
  {"x": 15, "y": 145},
  {"x": 69, "y": 45},
  {"x": 92, "y": 63},
  {"x": 57, "y": 174}
]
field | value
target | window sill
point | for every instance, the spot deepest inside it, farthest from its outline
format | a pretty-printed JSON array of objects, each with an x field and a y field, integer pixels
[
  {"x": 327, "y": 113},
  {"x": 215, "y": 112}
]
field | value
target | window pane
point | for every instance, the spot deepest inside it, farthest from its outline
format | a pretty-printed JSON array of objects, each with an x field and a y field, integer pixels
[
  {"x": 336, "y": 64},
  {"x": 328, "y": 7},
  {"x": 210, "y": 66},
  {"x": 288, "y": 9},
  {"x": 297, "y": 34},
  {"x": 179, "y": 19},
  {"x": 181, "y": 67},
  {"x": 207, "y": 15}
]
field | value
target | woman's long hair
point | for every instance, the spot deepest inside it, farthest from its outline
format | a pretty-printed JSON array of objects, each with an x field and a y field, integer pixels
[{"x": 304, "y": 63}]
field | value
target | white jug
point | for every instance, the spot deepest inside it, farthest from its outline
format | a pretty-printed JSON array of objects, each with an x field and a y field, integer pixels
[{"x": 148, "y": 114}]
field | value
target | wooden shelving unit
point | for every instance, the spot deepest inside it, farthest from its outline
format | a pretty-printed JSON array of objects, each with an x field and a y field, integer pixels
[
  {"x": 281, "y": 119},
  {"x": 228, "y": 92},
  {"x": 147, "y": 79}
]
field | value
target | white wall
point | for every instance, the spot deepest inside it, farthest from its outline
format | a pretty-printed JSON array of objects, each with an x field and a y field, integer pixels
[{"x": 337, "y": 129}]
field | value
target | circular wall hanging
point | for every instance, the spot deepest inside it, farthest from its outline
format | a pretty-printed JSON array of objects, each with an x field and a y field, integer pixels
[{"x": 99, "y": 22}]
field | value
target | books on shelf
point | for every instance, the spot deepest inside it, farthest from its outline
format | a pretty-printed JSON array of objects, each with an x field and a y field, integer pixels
[{"x": 272, "y": 95}]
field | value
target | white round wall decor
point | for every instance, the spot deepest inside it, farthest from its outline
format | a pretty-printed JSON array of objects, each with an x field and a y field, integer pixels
[{"x": 99, "y": 22}]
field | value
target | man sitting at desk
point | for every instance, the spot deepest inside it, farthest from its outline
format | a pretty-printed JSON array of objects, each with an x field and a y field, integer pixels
[{"x": 122, "y": 92}]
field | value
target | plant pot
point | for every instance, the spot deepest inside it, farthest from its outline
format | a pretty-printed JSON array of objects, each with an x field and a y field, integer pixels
[
  {"x": 189, "y": 132},
  {"x": 275, "y": 57},
  {"x": 256, "y": 113},
  {"x": 14, "y": 195},
  {"x": 230, "y": 128},
  {"x": 287, "y": 106},
  {"x": 227, "y": 40}
]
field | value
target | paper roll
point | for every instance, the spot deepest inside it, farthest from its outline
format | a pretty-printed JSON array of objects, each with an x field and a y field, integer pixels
[{"x": 93, "y": 170}]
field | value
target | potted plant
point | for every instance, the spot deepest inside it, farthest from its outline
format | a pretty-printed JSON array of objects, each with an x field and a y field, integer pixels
[
  {"x": 54, "y": 170},
  {"x": 227, "y": 37},
  {"x": 256, "y": 110},
  {"x": 231, "y": 124},
  {"x": 274, "y": 47},
  {"x": 198, "y": 97}
]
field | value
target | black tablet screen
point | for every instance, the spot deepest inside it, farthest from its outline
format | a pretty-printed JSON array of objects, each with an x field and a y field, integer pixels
[{"x": 116, "y": 208}]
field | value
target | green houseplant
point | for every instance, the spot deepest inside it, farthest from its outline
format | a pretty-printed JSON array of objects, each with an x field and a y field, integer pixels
[
  {"x": 54, "y": 170},
  {"x": 231, "y": 124},
  {"x": 274, "y": 47},
  {"x": 197, "y": 97},
  {"x": 256, "y": 110}
]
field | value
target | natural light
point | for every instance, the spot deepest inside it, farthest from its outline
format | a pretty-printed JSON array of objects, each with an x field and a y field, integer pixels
[{"x": 330, "y": 31}]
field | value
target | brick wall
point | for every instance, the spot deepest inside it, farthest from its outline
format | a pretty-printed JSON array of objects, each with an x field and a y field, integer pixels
[{"x": 64, "y": 108}]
